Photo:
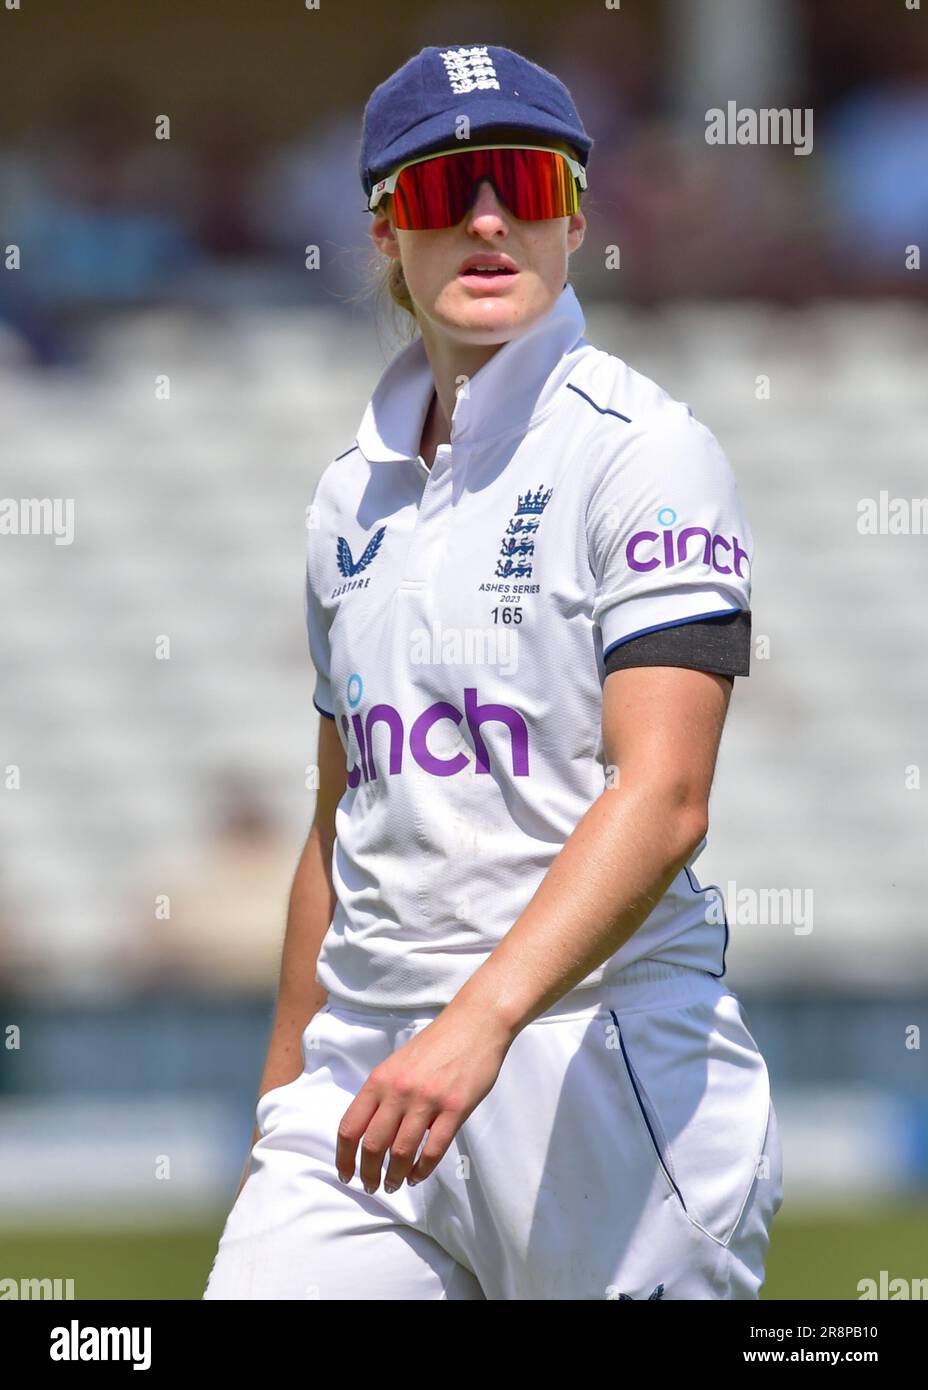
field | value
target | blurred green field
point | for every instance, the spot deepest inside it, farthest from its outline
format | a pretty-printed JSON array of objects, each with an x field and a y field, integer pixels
[{"x": 811, "y": 1256}]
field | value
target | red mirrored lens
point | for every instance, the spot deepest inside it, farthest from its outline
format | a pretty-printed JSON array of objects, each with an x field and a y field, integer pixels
[{"x": 532, "y": 184}]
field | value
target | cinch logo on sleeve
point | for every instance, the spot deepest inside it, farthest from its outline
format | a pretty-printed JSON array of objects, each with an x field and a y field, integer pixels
[
  {"x": 639, "y": 552},
  {"x": 475, "y": 714}
]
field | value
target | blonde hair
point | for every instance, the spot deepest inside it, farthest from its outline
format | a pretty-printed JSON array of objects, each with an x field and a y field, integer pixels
[
  {"x": 393, "y": 283},
  {"x": 383, "y": 280}
]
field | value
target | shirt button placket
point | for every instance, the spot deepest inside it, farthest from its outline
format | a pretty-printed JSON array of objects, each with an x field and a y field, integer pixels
[{"x": 426, "y": 551}]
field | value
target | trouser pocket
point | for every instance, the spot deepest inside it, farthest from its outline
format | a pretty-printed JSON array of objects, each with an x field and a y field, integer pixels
[
  {"x": 702, "y": 1095},
  {"x": 311, "y": 1042}
]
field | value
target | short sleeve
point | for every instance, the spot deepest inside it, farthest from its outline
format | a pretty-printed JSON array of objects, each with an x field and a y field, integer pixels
[
  {"x": 668, "y": 539},
  {"x": 317, "y": 630}
]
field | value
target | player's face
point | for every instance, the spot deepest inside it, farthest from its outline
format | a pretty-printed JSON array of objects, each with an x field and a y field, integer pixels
[{"x": 490, "y": 309}]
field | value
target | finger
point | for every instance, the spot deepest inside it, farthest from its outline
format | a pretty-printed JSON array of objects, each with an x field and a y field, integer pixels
[
  {"x": 436, "y": 1145},
  {"x": 351, "y": 1126},
  {"x": 378, "y": 1137},
  {"x": 404, "y": 1148}
]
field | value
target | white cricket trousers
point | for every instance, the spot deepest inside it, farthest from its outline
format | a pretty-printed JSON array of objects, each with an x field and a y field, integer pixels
[{"x": 629, "y": 1149}]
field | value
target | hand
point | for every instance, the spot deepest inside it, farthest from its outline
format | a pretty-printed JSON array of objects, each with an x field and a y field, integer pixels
[{"x": 431, "y": 1083}]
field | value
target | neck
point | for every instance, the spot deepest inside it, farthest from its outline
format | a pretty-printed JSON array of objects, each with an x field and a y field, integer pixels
[{"x": 453, "y": 364}]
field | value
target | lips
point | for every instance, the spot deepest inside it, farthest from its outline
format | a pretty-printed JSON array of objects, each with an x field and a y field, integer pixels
[{"x": 485, "y": 266}]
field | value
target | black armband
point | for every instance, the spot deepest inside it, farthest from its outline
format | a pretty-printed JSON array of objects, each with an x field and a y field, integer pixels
[{"x": 721, "y": 645}]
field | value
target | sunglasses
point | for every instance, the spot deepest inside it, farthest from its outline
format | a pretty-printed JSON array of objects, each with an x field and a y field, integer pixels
[{"x": 438, "y": 190}]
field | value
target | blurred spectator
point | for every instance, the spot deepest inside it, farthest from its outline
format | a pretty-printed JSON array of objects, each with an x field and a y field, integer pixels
[
  {"x": 876, "y": 180},
  {"x": 870, "y": 88},
  {"x": 96, "y": 230},
  {"x": 309, "y": 193},
  {"x": 228, "y": 913},
  {"x": 229, "y": 153}
]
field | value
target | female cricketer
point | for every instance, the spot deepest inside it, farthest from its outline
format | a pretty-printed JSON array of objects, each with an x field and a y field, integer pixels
[{"x": 504, "y": 1064}]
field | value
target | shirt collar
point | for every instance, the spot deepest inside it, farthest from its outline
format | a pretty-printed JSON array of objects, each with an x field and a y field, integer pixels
[{"x": 503, "y": 396}]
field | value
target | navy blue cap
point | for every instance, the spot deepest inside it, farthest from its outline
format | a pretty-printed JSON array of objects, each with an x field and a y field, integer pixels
[{"x": 418, "y": 108}]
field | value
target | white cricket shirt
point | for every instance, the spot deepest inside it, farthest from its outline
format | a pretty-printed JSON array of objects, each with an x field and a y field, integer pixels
[{"x": 458, "y": 619}]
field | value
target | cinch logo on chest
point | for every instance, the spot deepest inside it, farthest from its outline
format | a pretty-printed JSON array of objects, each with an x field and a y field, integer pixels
[{"x": 475, "y": 714}]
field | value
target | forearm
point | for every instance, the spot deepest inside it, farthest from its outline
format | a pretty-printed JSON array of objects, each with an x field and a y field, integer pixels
[
  {"x": 612, "y": 871},
  {"x": 299, "y": 997}
]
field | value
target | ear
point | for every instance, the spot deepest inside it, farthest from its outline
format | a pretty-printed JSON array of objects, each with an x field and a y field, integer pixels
[
  {"x": 383, "y": 233},
  {"x": 576, "y": 228}
]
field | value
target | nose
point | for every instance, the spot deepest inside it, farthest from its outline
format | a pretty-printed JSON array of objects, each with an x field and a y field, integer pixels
[{"x": 486, "y": 204}]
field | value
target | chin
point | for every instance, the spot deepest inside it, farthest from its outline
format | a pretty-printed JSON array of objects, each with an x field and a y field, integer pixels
[{"x": 481, "y": 313}]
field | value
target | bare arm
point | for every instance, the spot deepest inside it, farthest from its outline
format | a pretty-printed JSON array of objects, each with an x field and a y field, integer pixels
[
  {"x": 312, "y": 902},
  {"x": 662, "y": 727}
]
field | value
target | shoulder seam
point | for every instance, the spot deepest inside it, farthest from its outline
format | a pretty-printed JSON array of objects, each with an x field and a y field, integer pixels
[{"x": 603, "y": 409}]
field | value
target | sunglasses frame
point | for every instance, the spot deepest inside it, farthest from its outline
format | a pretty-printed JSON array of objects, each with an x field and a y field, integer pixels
[{"x": 388, "y": 185}]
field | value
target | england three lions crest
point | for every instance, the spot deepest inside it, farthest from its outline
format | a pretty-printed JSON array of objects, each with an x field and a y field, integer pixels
[{"x": 517, "y": 546}]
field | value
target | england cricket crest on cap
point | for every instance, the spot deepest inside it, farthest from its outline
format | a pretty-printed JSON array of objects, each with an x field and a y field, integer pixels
[
  {"x": 517, "y": 546},
  {"x": 470, "y": 69}
]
